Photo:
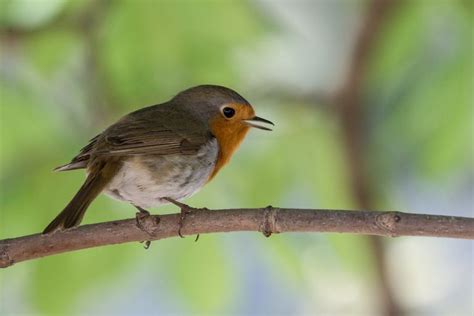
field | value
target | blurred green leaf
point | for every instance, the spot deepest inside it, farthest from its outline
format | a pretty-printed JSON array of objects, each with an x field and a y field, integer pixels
[
  {"x": 149, "y": 48},
  {"x": 50, "y": 51}
]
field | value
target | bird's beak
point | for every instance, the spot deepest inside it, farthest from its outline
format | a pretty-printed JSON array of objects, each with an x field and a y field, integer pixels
[{"x": 253, "y": 122}]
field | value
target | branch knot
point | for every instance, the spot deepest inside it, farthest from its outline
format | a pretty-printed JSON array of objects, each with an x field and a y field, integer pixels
[
  {"x": 5, "y": 260},
  {"x": 269, "y": 225},
  {"x": 388, "y": 221}
]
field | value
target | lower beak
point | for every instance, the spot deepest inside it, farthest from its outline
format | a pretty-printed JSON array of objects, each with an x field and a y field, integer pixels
[{"x": 253, "y": 122}]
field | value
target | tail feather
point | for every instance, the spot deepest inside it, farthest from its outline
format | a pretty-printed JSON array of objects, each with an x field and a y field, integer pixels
[
  {"x": 72, "y": 166},
  {"x": 74, "y": 212},
  {"x": 82, "y": 159}
]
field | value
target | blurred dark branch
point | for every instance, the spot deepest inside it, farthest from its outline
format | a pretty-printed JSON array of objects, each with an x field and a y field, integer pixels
[
  {"x": 266, "y": 220},
  {"x": 351, "y": 112},
  {"x": 285, "y": 96},
  {"x": 353, "y": 119},
  {"x": 347, "y": 106}
]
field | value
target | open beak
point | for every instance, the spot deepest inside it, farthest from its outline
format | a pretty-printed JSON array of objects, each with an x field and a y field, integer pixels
[{"x": 254, "y": 122}]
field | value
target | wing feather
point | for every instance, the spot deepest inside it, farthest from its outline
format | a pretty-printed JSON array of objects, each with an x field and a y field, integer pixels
[{"x": 159, "y": 129}]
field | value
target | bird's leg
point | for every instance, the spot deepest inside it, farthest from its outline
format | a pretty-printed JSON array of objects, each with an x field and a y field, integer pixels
[
  {"x": 141, "y": 217},
  {"x": 185, "y": 210}
]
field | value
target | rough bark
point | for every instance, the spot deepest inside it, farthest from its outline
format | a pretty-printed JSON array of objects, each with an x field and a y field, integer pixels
[{"x": 266, "y": 220}]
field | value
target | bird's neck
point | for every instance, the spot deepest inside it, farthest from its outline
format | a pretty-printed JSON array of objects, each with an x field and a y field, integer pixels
[{"x": 229, "y": 137}]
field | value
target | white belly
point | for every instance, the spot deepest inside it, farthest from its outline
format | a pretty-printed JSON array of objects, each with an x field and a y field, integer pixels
[{"x": 145, "y": 180}]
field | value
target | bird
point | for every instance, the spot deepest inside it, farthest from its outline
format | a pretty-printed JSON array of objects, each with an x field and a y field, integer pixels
[{"x": 162, "y": 153}]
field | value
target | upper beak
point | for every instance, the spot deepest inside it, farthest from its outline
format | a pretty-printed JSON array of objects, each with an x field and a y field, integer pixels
[{"x": 253, "y": 122}]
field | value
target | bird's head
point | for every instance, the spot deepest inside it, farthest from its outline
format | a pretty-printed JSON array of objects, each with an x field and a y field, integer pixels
[{"x": 224, "y": 110}]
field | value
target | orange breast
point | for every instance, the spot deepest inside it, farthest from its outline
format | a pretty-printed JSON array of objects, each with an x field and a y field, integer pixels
[{"x": 229, "y": 135}]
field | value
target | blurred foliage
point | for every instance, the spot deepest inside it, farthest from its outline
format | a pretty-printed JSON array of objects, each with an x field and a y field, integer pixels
[
  {"x": 197, "y": 43},
  {"x": 423, "y": 72},
  {"x": 70, "y": 68}
]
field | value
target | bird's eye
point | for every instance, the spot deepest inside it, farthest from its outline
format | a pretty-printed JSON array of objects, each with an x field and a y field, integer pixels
[{"x": 228, "y": 112}]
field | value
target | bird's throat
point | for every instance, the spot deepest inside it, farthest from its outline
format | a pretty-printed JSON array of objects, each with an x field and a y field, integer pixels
[{"x": 229, "y": 137}]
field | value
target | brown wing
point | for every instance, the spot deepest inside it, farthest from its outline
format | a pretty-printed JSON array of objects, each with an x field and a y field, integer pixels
[
  {"x": 82, "y": 159},
  {"x": 159, "y": 129}
]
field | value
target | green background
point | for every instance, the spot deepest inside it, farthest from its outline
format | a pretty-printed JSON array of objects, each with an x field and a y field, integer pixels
[{"x": 70, "y": 68}]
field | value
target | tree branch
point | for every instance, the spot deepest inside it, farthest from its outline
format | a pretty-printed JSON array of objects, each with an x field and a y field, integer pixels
[{"x": 266, "y": 220}]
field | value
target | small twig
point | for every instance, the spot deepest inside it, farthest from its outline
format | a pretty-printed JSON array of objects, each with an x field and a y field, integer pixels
[{"x": 267, "y": 220}]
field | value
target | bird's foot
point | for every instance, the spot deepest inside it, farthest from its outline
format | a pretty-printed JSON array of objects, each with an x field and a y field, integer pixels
[
  {"x": 147, "y": 223},
  {"x": 146, "y": 244},
  {"x": 185, "y": 210}
]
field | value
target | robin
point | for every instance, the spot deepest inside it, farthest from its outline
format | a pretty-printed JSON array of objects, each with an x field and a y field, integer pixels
[{"x": 162, "y": 153}]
